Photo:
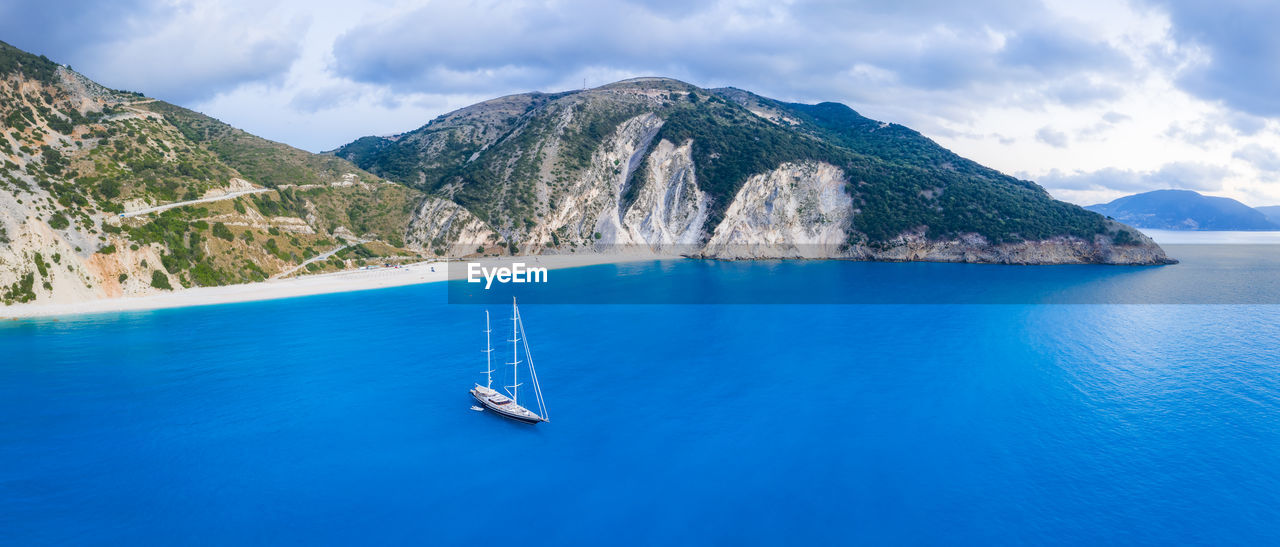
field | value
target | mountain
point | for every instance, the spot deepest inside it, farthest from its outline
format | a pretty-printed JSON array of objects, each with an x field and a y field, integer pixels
[
  {"x": 658, "y": 165},
  {"x": 79, "y": 158},
  {"x": 1184, "y": 210},
  {"x": 108, "y": 193},
  {"x": 1272, "y": 212}
]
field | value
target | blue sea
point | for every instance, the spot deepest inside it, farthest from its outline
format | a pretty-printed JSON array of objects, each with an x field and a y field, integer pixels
[{"x": 1009, "y": 416}]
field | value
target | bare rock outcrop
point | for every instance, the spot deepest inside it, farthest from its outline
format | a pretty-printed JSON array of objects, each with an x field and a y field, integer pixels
[
  {"x": 669, "y": 210},
  {"x": 444, "y": 225},
  {"x": 795, "y": 211}
]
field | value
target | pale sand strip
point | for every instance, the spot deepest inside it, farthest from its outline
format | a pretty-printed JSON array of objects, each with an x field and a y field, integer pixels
[{"x": 354, "y": 280}]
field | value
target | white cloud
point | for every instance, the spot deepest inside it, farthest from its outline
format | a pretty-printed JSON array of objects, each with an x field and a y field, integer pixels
[
  {"x": 1260, "y": 157},
  {"x": 1049, "y": 91},
  {"x": 1052, "y": 137}
]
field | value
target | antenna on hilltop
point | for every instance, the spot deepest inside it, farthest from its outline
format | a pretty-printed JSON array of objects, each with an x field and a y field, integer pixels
[{"x": 584, "y": 83}]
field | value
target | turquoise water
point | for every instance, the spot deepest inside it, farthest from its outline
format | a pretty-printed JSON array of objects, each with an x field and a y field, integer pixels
[{"x": 343, "y": 419}]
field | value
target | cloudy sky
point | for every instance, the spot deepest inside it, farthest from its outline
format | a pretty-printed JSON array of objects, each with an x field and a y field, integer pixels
[{"x": 1093, "y": 99}]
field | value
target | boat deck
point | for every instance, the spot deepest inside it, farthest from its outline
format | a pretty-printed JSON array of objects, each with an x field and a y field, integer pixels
[{"x": 502, "y": 404}]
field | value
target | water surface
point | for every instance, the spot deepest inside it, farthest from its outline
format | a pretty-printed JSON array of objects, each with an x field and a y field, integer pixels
[{"x": 344, "y": 419}]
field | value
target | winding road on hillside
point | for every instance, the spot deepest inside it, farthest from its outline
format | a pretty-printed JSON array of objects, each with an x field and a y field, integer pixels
[
  {"x": 317, "y": 258},
  {"x": 168, "y": 206}
]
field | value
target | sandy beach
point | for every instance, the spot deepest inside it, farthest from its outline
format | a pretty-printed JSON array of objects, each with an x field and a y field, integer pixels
[{"x": 351, "y": 280}]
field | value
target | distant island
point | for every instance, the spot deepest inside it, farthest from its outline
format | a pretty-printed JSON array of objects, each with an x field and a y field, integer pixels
[
  {"x": 1272, "y": 213},
  {"x": 1187, "y": 210}
]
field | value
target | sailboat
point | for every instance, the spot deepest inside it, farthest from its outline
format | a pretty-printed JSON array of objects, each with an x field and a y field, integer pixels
[{"x": 507, "y": 404}]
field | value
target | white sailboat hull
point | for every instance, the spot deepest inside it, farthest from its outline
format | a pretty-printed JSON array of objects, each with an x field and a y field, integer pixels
[{"x": 504, "y": 406}]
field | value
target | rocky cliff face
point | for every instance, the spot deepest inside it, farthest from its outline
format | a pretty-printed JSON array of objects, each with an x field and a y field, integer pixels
[
  {"x": 669, "y": 210},
  {"x": 444, "y": 225},
  {"x": 794, "y": 211},
  {"x": 591, "y": 203}
]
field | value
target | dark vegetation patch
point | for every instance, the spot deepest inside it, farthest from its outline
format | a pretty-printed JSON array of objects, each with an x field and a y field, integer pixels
[{"x": 39, "y": 68}]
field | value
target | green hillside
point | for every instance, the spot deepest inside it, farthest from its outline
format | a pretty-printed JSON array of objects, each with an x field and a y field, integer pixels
[
  {"x": 493, "y": 163},
  {"x": 76, "y": 155}
]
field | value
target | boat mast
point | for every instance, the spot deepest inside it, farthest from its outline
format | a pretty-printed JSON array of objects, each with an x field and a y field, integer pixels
[
  {"x": 488, "y": 352},
  {"x": 533, "y": 373},
  {"x": 515, "y": 353}
]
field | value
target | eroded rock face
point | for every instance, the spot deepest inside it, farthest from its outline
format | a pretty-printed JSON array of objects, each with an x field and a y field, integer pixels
[
  {"x": 57, "y": 272},
  {"x": 664, "y": 213},
  {"x": 593, "y": 203},
  {"x": 59, "y": 265},
  {"x": 669, "y": 210},
  {"x": 107, "y": 269},
  {"x": 444, "y": 225},
  {"x": 795, "y": 211}
]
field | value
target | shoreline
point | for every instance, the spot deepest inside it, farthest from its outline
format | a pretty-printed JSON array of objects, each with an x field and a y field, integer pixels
[{"x": 430, "y": 271}]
